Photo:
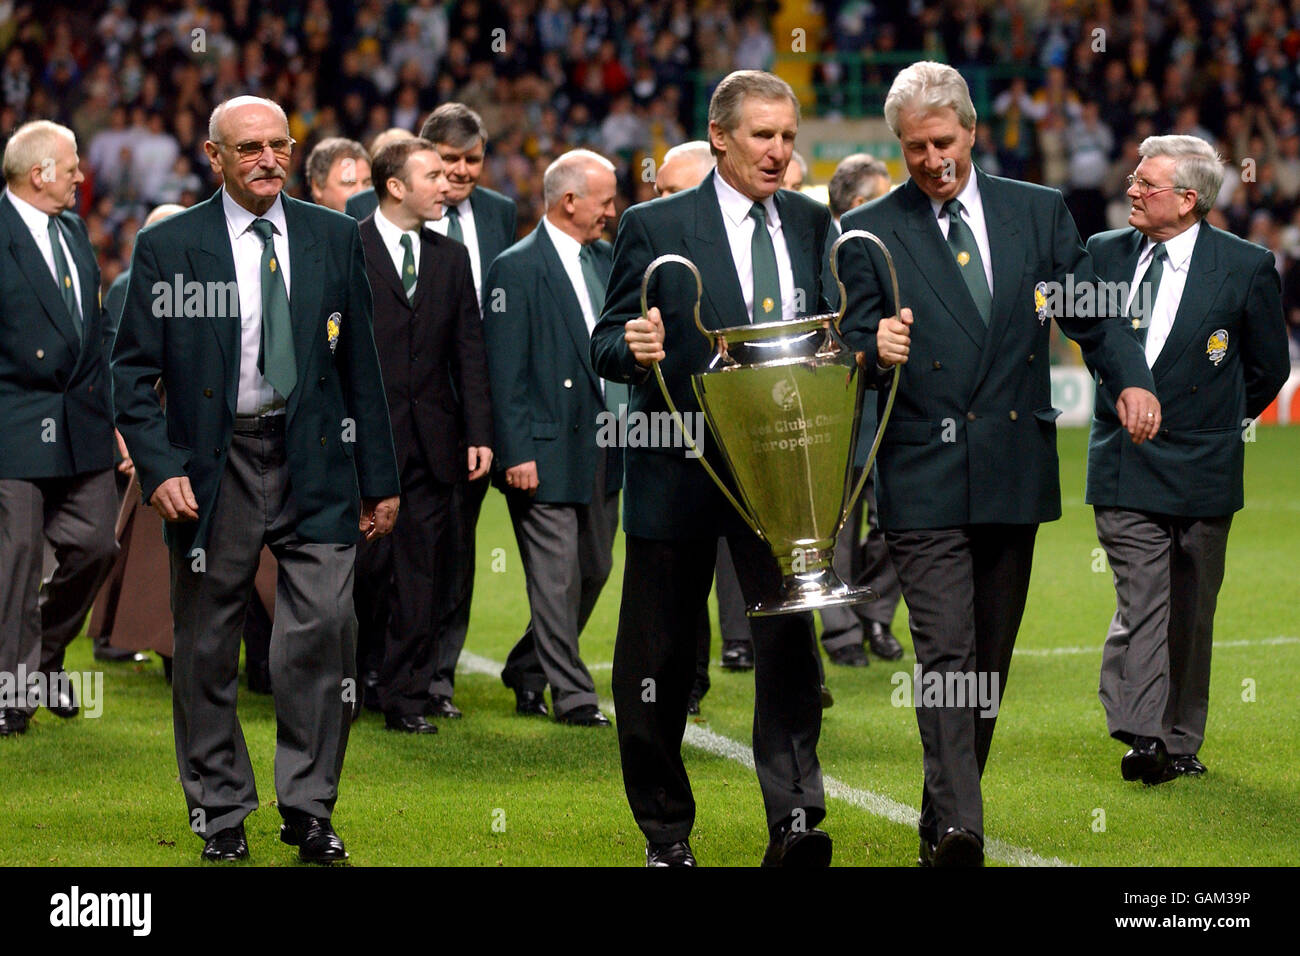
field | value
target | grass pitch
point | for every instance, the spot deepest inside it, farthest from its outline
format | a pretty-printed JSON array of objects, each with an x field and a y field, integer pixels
[{"x": 495, "y": 789}]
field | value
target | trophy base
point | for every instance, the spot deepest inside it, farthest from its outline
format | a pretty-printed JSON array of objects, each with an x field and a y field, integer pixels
[{"x": 811, "y": 591}]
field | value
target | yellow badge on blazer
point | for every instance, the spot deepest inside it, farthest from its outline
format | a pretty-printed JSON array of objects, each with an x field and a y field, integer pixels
[
  {"x": 332, "y": 326},
  {"x": 1216, "y": 346},
  {"x": 1040, "y": 301},
  {"x": 963, "y": 257}
]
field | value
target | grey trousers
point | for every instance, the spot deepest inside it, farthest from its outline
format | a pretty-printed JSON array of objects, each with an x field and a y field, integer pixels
[
  {"x": 76, "y": 516},
  {"x": 861, "y": 562},
  {"x": 1155, "y": 667},
  {"x": 313, "y": 644},
  {"x": 567, "y": 552}
]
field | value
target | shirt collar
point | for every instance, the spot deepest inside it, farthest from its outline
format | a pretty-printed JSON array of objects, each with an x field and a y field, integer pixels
[
  {"x": 36, "y": 220},
  {"x": 238, "y": 219},
  {"x": 969, "y": 195},
  {"x": 565, "y": 244},
  {"x": 1178, "y": 250},
  {"x": 736, "y": 205},
  {"x": 391, "y": 233}
]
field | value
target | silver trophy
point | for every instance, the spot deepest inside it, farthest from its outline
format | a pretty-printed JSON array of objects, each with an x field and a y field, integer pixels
[{"x": 784, "y": 403}]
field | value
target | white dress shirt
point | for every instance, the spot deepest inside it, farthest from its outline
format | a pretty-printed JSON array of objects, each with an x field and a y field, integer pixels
[
  {"x": 470, "y": 233},
  {"x": 1173, "y": 279},
  {"x": 740, "y": 234},
  {"x": 39, "y": 224},
  {"x": 973, "y": 214},
  {"x": 568, "y": 249},
  {"x": 255, "y": 396},
  {"x": 391, "y": 236}
]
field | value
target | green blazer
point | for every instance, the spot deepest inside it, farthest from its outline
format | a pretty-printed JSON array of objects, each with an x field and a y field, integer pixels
[
  {"x": 546, "y": 397},
  {"x": 198, "y": 358},
  {"x": 1193, "y": 468},
  {"x": 668, "y": 495},
  {"x": 55, "y": 390},
  {"x": 972, "y": 438},
  {"x": 495, "y": 220}
]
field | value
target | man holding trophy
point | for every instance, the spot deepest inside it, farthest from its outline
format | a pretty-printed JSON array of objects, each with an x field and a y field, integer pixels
[{"x": 761, "y": 248}]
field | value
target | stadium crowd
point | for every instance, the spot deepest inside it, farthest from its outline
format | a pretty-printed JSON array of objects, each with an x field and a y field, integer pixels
[{"x": 1074, "y": 87}]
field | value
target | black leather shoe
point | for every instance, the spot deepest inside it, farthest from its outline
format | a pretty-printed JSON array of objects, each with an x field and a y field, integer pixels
[
  {"x": 588, "y": 715},
  {"x": 226, "y": 846},
  {"x": 440, "y": 706},
  {"x": 669, "y": 854},
  {"x": 883, "y": 643},
  {"x": 827, "y": 700},
  {"x": 925, "y": 855},
  {"x": 797, "y": 849},
  {"x": 737, "y": 657},
  {"x": 958, "y": 847},
  {"x": 63, "y": 701},
  {"x": 531, "y": 703},
  {"x": 409, "y": 724},
  {"x": 1186, "y": 765},
  {"x": 370, "y": 690},
  {"x": 108, "y": 654},
  {"x": 315, "y": 839},
  {"x": 12, "y": 723},
  {"x": 1147, "y": 759},
  {"x": 693, "y": 703},
  {"x": 850, "y": 655}
]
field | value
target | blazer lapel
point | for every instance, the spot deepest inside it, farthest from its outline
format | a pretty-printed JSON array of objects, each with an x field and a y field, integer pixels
[
  {"x": 305, "y": 277},
  {"x": 486, "y": 229},
  {"x": 1203, "y": 280},
  {"x": 212, "y": 260},
  {"x": 1008, "y": 266},
  {"x": 32, "y": 265},
  {"x": 428, "y": 277},
  {"x": 723, "y": 302},
  {"x": 380, "y": 262},
  {"x": 566, "y": 301},
  {"x": 798, "y": 233},
  {"x": 932, "y": 258}
]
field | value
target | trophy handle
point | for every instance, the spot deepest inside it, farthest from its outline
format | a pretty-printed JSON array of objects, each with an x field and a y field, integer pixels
[
  {"x": 893, "y": 386},
  {"x": 663, "y": 387}
]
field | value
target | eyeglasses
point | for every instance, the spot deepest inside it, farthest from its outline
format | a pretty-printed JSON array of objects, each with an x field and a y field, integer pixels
[
  {"x": 1146, "y": 189},
  {"x": 253, "y": 149}
]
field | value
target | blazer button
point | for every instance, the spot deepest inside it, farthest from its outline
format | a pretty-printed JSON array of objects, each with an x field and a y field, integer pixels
[
  {"x": 1194, "y": 389},
  {"x": 207, "y": 393},
  {"x": 216, "y": 453},
  {"x": 1031, "y": 356},
  {"x": 938, "y": 365},
  {"x": 1013, "y": 415},
  {"x": 970, "y": 416},
  {"x": 322, "y": 379},
  {"x": 322, "y": 441},
  {"x": 40, "y": 353},
  {"x": 568, "y": 383}
]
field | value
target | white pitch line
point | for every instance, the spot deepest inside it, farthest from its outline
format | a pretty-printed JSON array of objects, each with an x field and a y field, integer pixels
[{"x": 701, "y": 738}]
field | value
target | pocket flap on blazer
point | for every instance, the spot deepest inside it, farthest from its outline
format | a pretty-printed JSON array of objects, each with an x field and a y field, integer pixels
[
  {"x": 1048, "y": 414},
  {"x": 546, "y": 429}
]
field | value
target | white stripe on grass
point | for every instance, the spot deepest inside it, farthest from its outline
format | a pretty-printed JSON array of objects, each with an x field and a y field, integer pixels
[{"x": 715, "y": 743}]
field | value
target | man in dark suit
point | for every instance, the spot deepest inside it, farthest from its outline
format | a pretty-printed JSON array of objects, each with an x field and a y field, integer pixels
[
  {"x": 968, "y": 468},
  {"x": 544, "y": 295},
  {"x": 760, "y": 251},
  {"x": 430, "y": 342},
  {"x": 56, "y": 446},
  {"x": 255, "y": 311},
  {"x": 1206, "y": 308}
]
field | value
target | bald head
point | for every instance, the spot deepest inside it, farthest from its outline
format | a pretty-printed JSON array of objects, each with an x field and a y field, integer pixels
[
  {"x": 684, "y": 166},
  {"x": 579, "y": 189},
  {"x": 162, "y": 212},
  {"x": 253, "y": 178}
]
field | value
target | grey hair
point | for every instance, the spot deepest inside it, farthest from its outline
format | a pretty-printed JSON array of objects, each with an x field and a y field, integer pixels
[
  {"x": 853, "y": 178},
  {"x": 724, "y": 106},
  {"x": 456, "y": 125},
  {"x": 219, "y": 112},
  {"x": 568, "y": 174},
  {"x": 696, "y": 149},
  {"x": 928, "y": 86},
  {"x": 31, "y": 144},
  {"x": 1197, "y": 165},
  {"x": 328, "y": 151}
]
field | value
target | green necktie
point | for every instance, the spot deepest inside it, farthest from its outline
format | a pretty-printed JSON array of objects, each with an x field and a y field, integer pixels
[
  {"x": 276, "y": 361},
  {"x": 767, "y": 280},
  {"x": 408, "y": 267},
  {"x": 595, "y": 284},
  {"x": 1143, "y": 306},
  {"x": 453, "y": 225},
  {"x": 65, "y": 276},
  {"x": 967, "y": 253}
]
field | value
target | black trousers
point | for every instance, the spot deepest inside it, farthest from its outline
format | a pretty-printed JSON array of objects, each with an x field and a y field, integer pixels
[
  {"x": 467, "y": 502},
  {"x": 665, "y": 583},
  {"x": 965, "y": 590},
  {"x": 412, "y": 570}
]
